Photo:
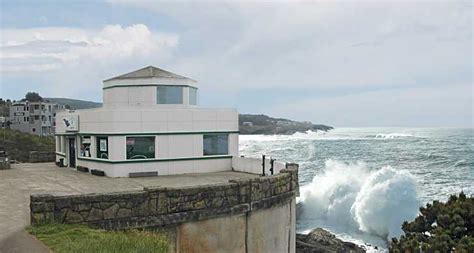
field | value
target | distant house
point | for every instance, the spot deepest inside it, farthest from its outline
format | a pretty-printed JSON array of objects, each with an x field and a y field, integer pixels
[
  {"x": 150, "y": 124},
  {"x": 34, "y": 117},
  {"x": 247, "y": 123}
]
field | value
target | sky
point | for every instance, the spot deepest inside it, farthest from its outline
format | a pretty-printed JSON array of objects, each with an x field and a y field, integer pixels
[{"x": 340, "y": 63}]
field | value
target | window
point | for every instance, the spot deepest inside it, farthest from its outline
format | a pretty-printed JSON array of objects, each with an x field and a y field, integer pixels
[
  {"x": 140, "y": 147},
  {"x": 85, "y": 146},
  {"x": 169, "y": 95},
  {"x": 102, "y": 148},
  {"x": 36, "y": 107},
  {"x": 216, "y": 144},
  {"x": 192, "y": 96},
  {"x": 37, "y": 117}
]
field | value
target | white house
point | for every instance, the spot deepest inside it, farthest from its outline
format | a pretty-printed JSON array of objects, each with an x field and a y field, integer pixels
[{"x": 150, "y": 124}]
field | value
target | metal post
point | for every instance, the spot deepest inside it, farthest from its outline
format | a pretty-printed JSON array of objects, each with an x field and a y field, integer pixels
[
  {"x": 272, "y": 161},
  {"x": 263, "y": 165}
]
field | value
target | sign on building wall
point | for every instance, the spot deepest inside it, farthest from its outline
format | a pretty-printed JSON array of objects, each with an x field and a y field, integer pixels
[
  {"x": 71, "y": 123},
  {"x": 103, "y": 145}
]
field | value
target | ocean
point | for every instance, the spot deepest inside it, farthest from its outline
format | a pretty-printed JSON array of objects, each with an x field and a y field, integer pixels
[{"x": 362, "y": 183}]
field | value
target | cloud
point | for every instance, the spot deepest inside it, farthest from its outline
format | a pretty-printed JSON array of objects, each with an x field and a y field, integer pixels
[
  {"x": 311, "y": 52},
  {"x": 39, "y": 49},
  {"x": 322, "y": 44}
]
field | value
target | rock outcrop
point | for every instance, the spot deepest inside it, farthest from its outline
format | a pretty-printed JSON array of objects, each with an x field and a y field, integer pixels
[{"x": 322, "y": 241}]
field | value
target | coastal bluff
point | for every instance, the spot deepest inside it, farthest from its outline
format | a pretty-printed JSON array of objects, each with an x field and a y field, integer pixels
[{"x": 243, "y": 215}]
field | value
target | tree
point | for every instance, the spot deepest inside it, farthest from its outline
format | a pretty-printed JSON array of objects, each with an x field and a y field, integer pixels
[
  {"x": 440, "y": 227},
  {"x": 33, "y": 97}
]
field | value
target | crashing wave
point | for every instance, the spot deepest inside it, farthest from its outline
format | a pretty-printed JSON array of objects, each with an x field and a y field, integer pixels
[{"x": 351, "y": 195}]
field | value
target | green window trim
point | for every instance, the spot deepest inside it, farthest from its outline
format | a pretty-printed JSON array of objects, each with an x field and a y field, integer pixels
[
  {"x": 156, "y": 159},
  {"x": 145, "y": 85},
  {"x": 145, "y": 134},
  {"x": 102, "y": 147}
]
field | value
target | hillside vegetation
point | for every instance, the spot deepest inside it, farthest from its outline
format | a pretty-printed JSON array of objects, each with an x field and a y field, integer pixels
[
  {"x": 263, "y": 124},
  {"x": 74, "y": 103},
  {"x": 18, "y": 144},
  {"x": 441, "y": 227}
]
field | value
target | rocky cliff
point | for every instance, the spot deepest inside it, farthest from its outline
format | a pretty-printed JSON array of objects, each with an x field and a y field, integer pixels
[{"x": 322, "y": 241}]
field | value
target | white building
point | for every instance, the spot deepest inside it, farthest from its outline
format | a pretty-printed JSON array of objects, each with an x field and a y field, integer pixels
[
  {"x": 33, "y": 117},
  {"x": 150, "y": 124}
]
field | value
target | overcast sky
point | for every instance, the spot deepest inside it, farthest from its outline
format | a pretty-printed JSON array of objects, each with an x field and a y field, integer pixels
[{"x": 348, "y": 63}]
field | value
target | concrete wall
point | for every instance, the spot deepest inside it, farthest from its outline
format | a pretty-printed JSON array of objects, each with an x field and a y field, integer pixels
[
  {"x": 159, "y": 119},
  {"x": 157, "y": 122},
  {"x": 166, "y": 146},
  {"x": 266, "y": 230},
  {"x": 244, "y": 215},
  {"x": 41, "y": 156},
  {"x": 162, "y": 167},
  {"x": 140, "y": 96},
  {"x": 254, "y": 165}
]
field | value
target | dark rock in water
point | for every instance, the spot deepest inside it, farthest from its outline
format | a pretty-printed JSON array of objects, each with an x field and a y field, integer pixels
[{"x": 321, "y": 241}]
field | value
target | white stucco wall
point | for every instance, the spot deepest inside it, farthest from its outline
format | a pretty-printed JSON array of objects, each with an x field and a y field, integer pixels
[
  {"x": 129, "y": 120},
  {"x": 163, "y": 168}
]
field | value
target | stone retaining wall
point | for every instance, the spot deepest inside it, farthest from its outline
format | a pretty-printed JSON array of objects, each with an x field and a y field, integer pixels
[
  {"x": 41, "y": 156},
  {"x": 160, "y": 206}
]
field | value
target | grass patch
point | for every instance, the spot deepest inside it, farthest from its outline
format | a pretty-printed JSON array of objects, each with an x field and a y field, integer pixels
[{"x": 62, "y": 238}]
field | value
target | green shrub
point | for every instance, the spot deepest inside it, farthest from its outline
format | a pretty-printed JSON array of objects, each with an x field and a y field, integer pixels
[{"x": 440, "y": 227}]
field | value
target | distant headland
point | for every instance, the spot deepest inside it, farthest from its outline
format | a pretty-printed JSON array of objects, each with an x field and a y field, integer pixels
[{"x": 263, "y": 124}]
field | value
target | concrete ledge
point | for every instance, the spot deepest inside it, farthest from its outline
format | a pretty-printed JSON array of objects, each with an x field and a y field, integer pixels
[
  {"x": 143, "y": 174},
  {"x": 165, "y": 206}
]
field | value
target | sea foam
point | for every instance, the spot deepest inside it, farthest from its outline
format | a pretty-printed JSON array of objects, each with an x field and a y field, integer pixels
[{"x": 352, "y": 196}]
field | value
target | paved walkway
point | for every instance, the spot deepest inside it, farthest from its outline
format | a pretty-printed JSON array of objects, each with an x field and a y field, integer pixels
[{"x": 17, "y": 184}]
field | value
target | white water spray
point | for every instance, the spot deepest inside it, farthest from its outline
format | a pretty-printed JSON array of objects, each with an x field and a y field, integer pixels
[{"x": 352, "y": 196}]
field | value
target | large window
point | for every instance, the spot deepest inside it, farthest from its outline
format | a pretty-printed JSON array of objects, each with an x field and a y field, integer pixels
[
  {"x": 85, "y": 146},
  {"x": 140, "y": 147},
  {"x": 192, "y": 96},
  {"x": 102, "y": 148},
  {"x": 216, "y": 144},
  {"x": 169, "y": 94}
]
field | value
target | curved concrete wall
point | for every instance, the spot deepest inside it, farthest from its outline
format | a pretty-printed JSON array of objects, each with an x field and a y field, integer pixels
[{"x": 243, "y": 215}]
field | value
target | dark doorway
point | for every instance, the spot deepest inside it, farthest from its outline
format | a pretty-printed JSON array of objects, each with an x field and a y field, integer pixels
[{"x": 72, "y": 153}]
